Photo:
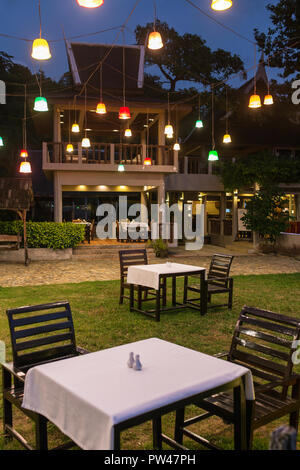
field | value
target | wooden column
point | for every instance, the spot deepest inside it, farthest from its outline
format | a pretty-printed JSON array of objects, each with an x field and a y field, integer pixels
[
  {"x": 161, "y": 135},
  {"x": 57, "y": 199}
]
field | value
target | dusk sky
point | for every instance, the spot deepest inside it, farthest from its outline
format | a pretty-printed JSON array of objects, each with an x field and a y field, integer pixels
[{"x": 20, "y": 18}]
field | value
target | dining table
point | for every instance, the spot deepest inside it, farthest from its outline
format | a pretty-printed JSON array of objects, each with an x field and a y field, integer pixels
[
  {"x": 152, "y": 276},
  {"x": 93, "y": 398}
]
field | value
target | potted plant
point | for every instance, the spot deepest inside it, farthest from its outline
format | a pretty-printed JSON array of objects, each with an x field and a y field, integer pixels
[{"x": 160, "y": 247}]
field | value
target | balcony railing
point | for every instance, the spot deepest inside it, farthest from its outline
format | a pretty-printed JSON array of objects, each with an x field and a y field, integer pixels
[{"x": 55, "y": 155}]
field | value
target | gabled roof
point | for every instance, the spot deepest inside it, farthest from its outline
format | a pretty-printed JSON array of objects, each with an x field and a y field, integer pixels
[
  {"x": 84, "y": 59},
  {"x": 261, "y": 77}
]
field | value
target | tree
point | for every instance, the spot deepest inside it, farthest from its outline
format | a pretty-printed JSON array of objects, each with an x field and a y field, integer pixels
[
  {"x": 187, "y": 57},
  {"x": 281, "y": 42},
  {"x": 266, "y": 215}
]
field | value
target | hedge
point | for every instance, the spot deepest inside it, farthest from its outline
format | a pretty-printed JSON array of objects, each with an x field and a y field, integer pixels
[{"x": 57, "y": 236}]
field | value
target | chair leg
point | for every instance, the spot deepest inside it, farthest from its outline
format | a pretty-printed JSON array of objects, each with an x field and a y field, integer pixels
[
  {"x": 121, "y": 295},
  {"x": 7, "y": 405},
  {"x": 179, "y": 421},
  {"x": 294, "y": 417},
  {"x": 230, "y": 299}
]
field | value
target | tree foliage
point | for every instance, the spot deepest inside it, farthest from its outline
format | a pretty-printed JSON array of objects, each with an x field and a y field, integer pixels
[
  {"x": 187, "y": 57},
  {"x": 266, "y": 215},
  {"x": 264, "y": 168},
  {"x": 281, "y": 42}
]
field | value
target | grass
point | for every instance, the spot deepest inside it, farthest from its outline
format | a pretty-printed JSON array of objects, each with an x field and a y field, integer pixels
[{"x": 101, "y": 323}]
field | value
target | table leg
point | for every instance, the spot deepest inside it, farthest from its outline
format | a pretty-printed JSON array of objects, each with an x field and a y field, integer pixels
[
  {"x": 157, "y": 308},
  {"x": 164, "y": 291},
  {"x": 157, "y": 434},
  {"x": 139, "y": 297},
  {"x": 131, "y": 297},
  {"x": 203, "y": 291},
  {"x": 174, "y": 291},
  {"x": 41, "y": 433},
  {"x": 117, "y": 439},
  {"x": 185, "y": 289}
]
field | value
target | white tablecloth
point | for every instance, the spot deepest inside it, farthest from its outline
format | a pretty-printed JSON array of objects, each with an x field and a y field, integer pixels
[
  {"x": 148, "y": 275},
  {"x": 86, "y": 395}
]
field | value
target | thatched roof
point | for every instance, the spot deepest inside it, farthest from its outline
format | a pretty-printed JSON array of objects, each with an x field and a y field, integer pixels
[{"x": 15, "y": 193}]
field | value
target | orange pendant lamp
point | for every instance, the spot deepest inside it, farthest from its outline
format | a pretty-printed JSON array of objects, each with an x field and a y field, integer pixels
[
  {"x": 268, "y": 100},
  {"x": 255, "y": 101},
  {"x": 124, "y": 112},
  {"x": 155, "y": 41},
  {"x": 227, "y": 139},
  {"x": 227, "y": 136},
  {"x": 24, "y": 153},
  {"x": 90, "y": 3}
]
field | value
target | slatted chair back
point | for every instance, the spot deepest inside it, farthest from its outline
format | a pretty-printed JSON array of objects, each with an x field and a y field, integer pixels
[
  {"x": 219, "y": 269},
  {"x": 131, "y": 258},
  {"x": 263, "y": 342},
  {"x": 41, "y": 333}
]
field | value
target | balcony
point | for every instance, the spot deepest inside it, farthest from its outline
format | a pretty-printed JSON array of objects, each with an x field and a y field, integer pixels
[{"x": 106, "y": 157}]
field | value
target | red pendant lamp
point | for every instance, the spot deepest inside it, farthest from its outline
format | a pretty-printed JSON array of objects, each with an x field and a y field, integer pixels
[{"x": 124, "y": 112}]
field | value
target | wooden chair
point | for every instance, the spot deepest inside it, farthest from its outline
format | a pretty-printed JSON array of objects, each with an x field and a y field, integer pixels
[
  {"x": 39, "y": 334},
  {"x": 132, "y": 258},
  {"x": 218, "y": 281},
  {"x": 265, "y": 343}
]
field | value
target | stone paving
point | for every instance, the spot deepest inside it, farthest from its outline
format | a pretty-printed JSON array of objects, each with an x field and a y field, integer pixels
[{"x": 81, "y": 269}]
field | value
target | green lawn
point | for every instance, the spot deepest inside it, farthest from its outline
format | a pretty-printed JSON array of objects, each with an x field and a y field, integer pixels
[{"x": 101, "y": 323}]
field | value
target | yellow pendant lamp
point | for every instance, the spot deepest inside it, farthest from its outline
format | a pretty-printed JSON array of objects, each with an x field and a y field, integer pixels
[
  {"x": 128, "y": 133},
  {"x": 221, "y": 5},
  {"x": 40, "y": 47},
  {"x": 169, "y": 131},
  {"x": 25, "y": 167},
  {"x": 101, "y": 108},
  {"x": 90, "y": 3},
  {"x": 227, "y": 139},
  {"x": 70, "y": 148}
]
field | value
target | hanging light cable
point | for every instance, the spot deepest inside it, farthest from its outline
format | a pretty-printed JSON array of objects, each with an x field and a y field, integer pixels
[
  {"x": 169, "y": 131},
  {"x": 40, "y": 47},
  {"x": 176, "y": 146},
  {"x": 25, "y": 166},
  {"x": 213, "y": 154},
  {"x": 199, "y": 122},
  {"x": 255, "y": 101},
  {"x": 155, "y": 40},
  {"x": 124, "y": 112},
  {"x": 70, "y": 147},
  {"x": 268, "y": 98},
  {"x": 147, "y": 159},
  {"x": 227, "y": 136},
  {"x": 40, "y": 103},
  {"x": 101, "y": 108},
  {"x": 75, "y": 126},
  {"x": 85, "y": 141}
]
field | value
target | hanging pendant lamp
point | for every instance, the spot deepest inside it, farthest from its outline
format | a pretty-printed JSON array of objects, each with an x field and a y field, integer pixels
[
  {"x": 199, "y": 124},
  {"x": 86, "y": 143},
  {"x": 24, "y": 153},
  {"x": 121, "y": 167},
  {"x": 40, "y": 47},
  {"x": 128, "y": 133},
  {"x": 155, "y": 41},
  {"x": 1, "y": 142},
  {"x": 90, "y": 3},
  {"x": 25, "y": 167},
  {"x": 268, "y": 100},
  {"x": 70, "y": 148},
  {"x": 124, "y": 113},
  {"x": 101, "y": 108},
  {"x": 75, "y": 128},
  {"x": 221, "y": 5},
  {"x": 255, "y": 101},
  {"x": 176, "y": 147},
  {"x": 213, "y": 156},
  {"x": 40, "y": 104},
  {"x": 227, "y": 139},
  {"x": 147, "y": 161}
]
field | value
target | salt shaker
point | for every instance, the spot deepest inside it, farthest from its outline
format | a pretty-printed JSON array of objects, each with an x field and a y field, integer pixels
[
  {"x": 130, "y": 361},
  {"x": 137, "y": 363}
]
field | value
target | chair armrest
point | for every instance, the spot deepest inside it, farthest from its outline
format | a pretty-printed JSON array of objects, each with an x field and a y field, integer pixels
[
  {"x": 9, "y": 367},
  {"x": 82, "y": 350},
  {"x": 221, "y": 355},
  {"x": 289, "y": 381}
]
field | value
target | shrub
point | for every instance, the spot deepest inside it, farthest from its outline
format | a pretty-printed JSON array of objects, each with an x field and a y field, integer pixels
[
  {"x": 160, "y": 247},
  {"x": 57, "y": 236}
]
